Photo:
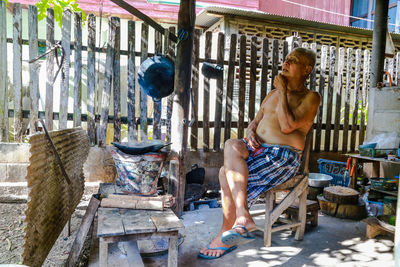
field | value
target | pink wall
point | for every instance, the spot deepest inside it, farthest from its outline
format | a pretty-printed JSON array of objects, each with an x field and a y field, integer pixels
[
  {"x": 290, "y": 8},
  {"x": 164, "y": 12},
  {"x": 157, "y": 11}
]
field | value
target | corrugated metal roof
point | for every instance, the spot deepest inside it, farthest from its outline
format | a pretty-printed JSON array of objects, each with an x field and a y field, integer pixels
[{"x": 212, "y": 14}]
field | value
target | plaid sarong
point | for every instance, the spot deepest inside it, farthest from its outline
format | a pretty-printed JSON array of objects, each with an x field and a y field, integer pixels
[{"x": 269, "y": 165}]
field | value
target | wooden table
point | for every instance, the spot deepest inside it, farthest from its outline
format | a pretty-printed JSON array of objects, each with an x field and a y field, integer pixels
[
  {"x": 356, "y": 158},
  {"x": 119, "y": 225}
]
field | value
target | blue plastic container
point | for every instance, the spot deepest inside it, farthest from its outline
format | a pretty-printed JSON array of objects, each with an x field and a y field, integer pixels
[{"x": 336, "y": 169}]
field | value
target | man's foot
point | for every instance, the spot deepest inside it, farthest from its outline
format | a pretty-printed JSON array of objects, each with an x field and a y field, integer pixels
[
  {"x": 210, "y": 250},
  {"x": 234, "y": 238},
  {"x": 248, "y": 223}
]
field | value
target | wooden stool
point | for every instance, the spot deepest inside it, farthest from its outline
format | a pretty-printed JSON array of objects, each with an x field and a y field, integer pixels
[
  {"x": 312, "y": 211},
  {"x": 118, "y": 225}
]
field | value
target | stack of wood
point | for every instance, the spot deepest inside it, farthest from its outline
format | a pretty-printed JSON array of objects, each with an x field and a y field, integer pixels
[
  {"x": 342, "y": 202},
  {"x": 137, "y": 202}
]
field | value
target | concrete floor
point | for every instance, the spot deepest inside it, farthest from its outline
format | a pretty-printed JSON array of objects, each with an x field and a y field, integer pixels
[{"x": 335, "y": 241}]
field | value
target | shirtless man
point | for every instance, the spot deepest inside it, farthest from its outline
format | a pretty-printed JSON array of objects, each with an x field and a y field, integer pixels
[{"x": 270, "y": 153}]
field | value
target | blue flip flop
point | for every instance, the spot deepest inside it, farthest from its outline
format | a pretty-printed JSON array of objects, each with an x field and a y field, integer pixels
[
  {"x": 226, "y": 251},
  {"x": 232, "y": 237}
]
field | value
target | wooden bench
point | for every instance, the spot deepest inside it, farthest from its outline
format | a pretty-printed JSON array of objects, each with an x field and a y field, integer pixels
[{"x": 120, "y": 225}]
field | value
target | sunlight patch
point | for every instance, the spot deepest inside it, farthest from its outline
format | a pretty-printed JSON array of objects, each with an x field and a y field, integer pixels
[{"x": 247, "y": 252}]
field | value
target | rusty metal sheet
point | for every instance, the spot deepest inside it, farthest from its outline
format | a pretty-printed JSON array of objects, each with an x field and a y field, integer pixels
[{"x": 51, "y": 199}]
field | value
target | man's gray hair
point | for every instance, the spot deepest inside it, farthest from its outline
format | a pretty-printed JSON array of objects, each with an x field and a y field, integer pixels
[{"x": 308, "y": 53}]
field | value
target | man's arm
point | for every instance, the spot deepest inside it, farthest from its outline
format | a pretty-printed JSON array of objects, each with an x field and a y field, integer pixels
[
  {"x": 291, "y": 120},
  {"x": 251, "y": 133}
]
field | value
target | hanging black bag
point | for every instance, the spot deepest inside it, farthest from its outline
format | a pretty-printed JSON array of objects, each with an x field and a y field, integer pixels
[{"x": 196, "y": 175}]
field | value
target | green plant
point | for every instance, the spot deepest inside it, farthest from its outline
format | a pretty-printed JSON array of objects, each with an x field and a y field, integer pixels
[
  {"x": 360, "y": 111},
  {"x": 58, "y": 6},
  {"x": 5, "y": 1}
]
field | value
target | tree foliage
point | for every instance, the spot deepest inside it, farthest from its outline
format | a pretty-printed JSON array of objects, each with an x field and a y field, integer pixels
[
  {"x": 6, "y": 1},
  {"x": 58, "y": 6}
]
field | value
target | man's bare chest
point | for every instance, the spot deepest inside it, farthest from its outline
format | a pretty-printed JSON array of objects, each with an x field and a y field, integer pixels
[{"x": 270, "y": 106}]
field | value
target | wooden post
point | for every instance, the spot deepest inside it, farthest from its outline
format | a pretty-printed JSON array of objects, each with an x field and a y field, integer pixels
[
  {"x": 206, "y": 96},
  {"x": 33, "y": 71},
  {"x": 91, "y": 77},
  {"x": 321, "y": 89},
  {"x": 64, "y": 92},
  {"x": 338, "y": 105},
  {"x": 253, "y": 78},
  {"x": 132, "y": 135},
  {"x": 143, "y": 95},
  {"x": 275, "y": 60},
  {"x": 242, "y": 85},
  {"x": 357, "y": 87},
  {"x": 195, "y": 90},
  {"x": 349, "y": 71},
  {"x": 364, "y": 93},
  {"x": 220, "y": 93},
  {"x": 183, "y": 62},
  {"x": 264, "y": 70},
  {"x": 78, "y": 69},
  {"x": 3, "y": 74},
  {"x": 285, "y": 51},
  {"x": 17, "y": 71},
  {"x": 331, "y": 81},
  {"x": 313, "y": 75},
  {"x": 169, "y": 51},
  {"x": 229, "y": 87},
  {"x": 105, "y": 99},
  {"x": 157, "y": 104},
  {"x": 49, "y": 68},
  {"x": 116, "y": 81}
]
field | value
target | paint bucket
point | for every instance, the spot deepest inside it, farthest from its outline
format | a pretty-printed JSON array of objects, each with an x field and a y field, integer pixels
[{"x": 138, "y": 174}]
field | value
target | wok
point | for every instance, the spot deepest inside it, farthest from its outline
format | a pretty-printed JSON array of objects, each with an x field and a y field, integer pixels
[{"x": 139, "y": 148}]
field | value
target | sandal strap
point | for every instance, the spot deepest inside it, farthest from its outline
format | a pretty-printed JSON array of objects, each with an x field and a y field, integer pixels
[
  {"x": 217, "y": 248},
  {"x": 242, "y": 227}
]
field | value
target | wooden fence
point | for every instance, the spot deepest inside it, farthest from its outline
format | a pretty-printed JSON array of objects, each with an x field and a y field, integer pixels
[{"x": 222, "y": 109}]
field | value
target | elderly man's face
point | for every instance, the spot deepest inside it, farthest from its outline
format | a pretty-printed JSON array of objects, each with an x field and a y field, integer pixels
[{"x": 296, "y": 66}]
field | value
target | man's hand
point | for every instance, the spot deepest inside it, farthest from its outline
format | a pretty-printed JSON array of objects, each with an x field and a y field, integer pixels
[
  {"x": 280, "y": 83},
  {"x": 253, "y": 139}
]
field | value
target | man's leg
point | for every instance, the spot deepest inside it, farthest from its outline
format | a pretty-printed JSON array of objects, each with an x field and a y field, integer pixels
[
  {"x": 237, "y": 173},
  {"x": 228, "y": 215}
]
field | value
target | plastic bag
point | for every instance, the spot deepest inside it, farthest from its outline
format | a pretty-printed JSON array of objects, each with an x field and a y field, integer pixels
[
  {"x": 372, "y": 208},
  {"x": 385, "y": 140}
]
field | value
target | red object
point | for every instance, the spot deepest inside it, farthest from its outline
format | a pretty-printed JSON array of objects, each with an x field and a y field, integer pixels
[
  {"x": 353, "y": 168},
  {"x": 348, "y": 164}
]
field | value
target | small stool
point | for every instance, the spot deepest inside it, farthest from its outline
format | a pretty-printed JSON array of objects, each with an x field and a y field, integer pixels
[
  {"x": 312, "y": 211},
  {"x": 117, "y": 225}
]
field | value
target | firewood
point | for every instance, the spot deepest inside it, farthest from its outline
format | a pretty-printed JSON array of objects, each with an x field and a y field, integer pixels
[{"x": 341, "y": 195}]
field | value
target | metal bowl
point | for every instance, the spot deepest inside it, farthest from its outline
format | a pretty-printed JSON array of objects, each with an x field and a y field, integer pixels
[{"x": 319, "y": 179}]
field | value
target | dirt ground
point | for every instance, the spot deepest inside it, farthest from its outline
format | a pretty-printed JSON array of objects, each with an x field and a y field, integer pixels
[{"x": 12, "y": 225}]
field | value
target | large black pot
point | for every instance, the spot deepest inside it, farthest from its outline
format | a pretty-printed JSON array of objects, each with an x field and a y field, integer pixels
[{"x": 156, "y": 77}]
